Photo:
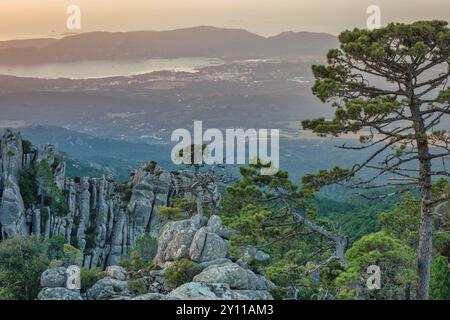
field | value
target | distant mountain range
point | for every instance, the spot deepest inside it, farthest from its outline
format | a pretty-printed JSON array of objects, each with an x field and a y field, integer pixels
[{"x": 190, "y": 42}]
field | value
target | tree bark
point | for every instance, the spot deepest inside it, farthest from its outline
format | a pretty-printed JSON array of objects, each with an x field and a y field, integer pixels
[
  {"x": 200, "y": 203},
  {"x": 426, "y": 222},
  {"x": 425, "y": 240}
]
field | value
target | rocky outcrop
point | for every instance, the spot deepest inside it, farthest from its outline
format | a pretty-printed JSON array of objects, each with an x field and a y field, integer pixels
[
  {"x": 251, "y": 255},
  {"x": 104, "y": 219},
  {"x": 109, "y": 289},
  {"x": 54, "y": 278},
  {"x": 12, "y": 210},
  {"x": 59, "y": 294},
  {"x": 220, "y": 279},
  {"x": 207, "y": 246},
  {"x": 190, "y": 239},
  {"x": 234, "y": 276},
  {"x": 215, "y": 291},
  {"x": 54, "y": 281},
  {"x": 11, "y": 152},
  {"x": 108, "y": 218},
  {"x": 13, "y": 220},
  {"x": 116, "y": 272},
  {"x": 151, "y": 296},
  {"x": 176, "y": 238}
]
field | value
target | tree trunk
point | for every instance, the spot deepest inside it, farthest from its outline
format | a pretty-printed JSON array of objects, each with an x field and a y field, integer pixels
[
  {"x": 425, "y": 244},
  {"x": 200, "y": 203},
  {"x": 426, "y": 222}
]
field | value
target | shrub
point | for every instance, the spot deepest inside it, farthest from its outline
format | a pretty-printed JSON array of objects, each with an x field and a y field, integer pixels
[
  {"x": 27, "y": 146},
  {"x": 22, "y": 261},
  {"x": 72, "y": 256},
  {"x": 89, "y": 277},
  {"x": 55, "y": 247},
  {"x": 126, "y": 192},
  {"x": 170, "y": 214},
  {"x": 186, "y": 205},
  {"x": 181, "y": 271},
  {"x": 28, "y": 186},
  {"x": 50, "y": 194},
  {"x": 137, "y": 286},
  {"x": 153, "y": 266},
  {"x": 56, "y": 263},
  {"x": 280, "y": 293},
  {"x": 149, "y": 167},
  {"x": 133, "y": 262},
  {"x": 141, "y": 255},
  {"x": 440, "y": 279},
  {"x": 147, "y": 247},
  {"x": 395, "y": 259}
]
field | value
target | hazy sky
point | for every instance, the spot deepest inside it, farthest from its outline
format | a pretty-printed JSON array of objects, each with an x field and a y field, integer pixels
[{"x": 34, "y": 18}]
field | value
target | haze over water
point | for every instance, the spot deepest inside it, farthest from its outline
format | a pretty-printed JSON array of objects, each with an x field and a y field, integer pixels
[{"x": 103, "y": 69}]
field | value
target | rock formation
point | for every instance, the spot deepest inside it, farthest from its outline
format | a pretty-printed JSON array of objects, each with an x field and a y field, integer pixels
[
  {"x": 194, "y": 239},
  {"x": 104, "y": 219}
]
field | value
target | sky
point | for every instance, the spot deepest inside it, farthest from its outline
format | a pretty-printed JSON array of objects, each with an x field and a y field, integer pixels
[{"x": 21, "y": 19}]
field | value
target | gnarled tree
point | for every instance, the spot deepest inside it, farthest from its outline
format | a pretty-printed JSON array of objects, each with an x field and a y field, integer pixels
[{"x": 390, "y": 86}]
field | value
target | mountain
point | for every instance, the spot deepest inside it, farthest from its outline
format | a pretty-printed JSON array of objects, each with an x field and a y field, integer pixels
[{"x": 189, "y": 42}]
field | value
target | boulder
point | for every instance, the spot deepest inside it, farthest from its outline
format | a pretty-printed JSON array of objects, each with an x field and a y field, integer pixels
[
  {"x": 12, "y": 211},
  {"x": 175, "y": 240},
  {"x": 201, "y": 291},
  {"x": 59, "y": 294},
  {"x": 207, "y": 246},
  {"x": 150, "y": 296},
  {"x": 215, "y": 291},
  {"x": 54, "y": 278},
  {"x": 108, "y": 289},
  {"x": 116, "y": 272},
  {"x": 235, "y": 276},
  {"x": 214, "y": 223},
  {"x": 215, "y": 262},
  {"x": 251, "y": 255}
]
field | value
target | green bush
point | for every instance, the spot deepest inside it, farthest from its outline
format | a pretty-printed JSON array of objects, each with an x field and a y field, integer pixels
[
  {"x": 149, "y": 167},
  {"x": 28, "y": 187},
  {"x": 188, "y": 206},
  {"x": 141, "y": 255},
  {"x": 395, "y": 259},
  {"x": 280, "y": 293},
  {"x": 153, "y": 266},
  {"x": 170, "y": 214},
  {"x": 181, "y": 271},
  {"x": 133, "y": 262},
  {"x": 51, "y": 195},
  {"x": 137, "y": 286},
  {"x": 22, "y": 261},
  {"x": 71, "y": 256},
  {"x": 440, "y": 279},
  {"x": 55, "y": 247},
  {"x": 89, "y": 277},
  {"x": 56, "y": 263},
  {"x": 147, "y": 247},
  {"x": 27, "y": 146}
]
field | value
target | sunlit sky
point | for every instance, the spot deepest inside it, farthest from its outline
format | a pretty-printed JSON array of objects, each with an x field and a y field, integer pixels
[{"x": 44, "y": 18}]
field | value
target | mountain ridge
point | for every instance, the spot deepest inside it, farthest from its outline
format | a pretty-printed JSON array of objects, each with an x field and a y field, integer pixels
[{"x": 202, "y": 41}]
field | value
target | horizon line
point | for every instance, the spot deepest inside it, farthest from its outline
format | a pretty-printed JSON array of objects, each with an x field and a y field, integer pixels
[{"x": 71, "y": 34}]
